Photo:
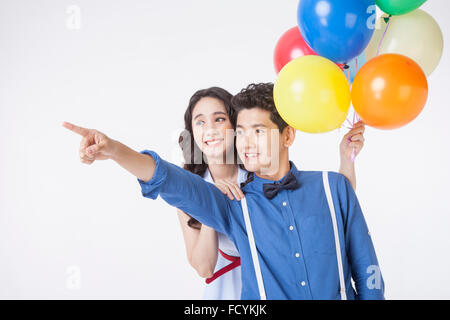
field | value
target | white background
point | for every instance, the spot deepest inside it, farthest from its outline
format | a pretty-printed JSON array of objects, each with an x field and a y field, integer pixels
[{"x": 69, "y": 231}]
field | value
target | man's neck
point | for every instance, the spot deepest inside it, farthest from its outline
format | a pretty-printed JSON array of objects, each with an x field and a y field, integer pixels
[{"x": 277, "y": 174}]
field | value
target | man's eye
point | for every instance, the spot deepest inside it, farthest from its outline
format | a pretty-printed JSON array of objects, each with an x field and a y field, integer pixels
[
  {"x": 259, "y": 131},
  {"x": 239, "y": 132}
]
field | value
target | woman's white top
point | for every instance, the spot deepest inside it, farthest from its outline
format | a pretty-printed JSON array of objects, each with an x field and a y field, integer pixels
[{"x": 227, "y": 286}]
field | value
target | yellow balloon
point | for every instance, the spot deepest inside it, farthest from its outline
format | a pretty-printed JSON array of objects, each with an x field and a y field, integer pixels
[{"x": 312, "y": 94}]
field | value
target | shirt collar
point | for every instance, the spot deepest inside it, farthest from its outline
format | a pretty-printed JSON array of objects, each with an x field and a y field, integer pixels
[
  {"x": 255, "y": 182},
  {"x": 207, "y": 176},
  {"x": 242, "y": 176}
]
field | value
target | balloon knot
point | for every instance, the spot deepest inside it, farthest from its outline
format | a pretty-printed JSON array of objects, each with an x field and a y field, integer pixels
[{"x": 386, "y": 19}]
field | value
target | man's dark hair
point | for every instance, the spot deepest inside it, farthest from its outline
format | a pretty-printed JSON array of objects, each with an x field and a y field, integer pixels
[{"x": 257, "y": 96}]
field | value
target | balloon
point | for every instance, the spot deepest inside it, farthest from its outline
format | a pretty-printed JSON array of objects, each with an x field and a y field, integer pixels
[
  {"x": 389, "y": 91},
  {"x": 336, "y": 29},
  {"x": 354, "y": 66},
  {"x": 416, "y": 35},
  {"x": 312, "y": 94},
  {"x": 397, "y": 7},
  {"x": 291, "y": 46}
]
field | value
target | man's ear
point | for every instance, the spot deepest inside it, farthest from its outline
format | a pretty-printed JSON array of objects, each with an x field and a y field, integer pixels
[{"x": 288, "y": 136}]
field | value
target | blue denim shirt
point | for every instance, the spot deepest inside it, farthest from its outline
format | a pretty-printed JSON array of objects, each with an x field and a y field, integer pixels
[{"x": 293, "y": 232}]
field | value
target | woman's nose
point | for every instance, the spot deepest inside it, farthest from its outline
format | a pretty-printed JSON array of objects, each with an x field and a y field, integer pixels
[{"x": 211, "y": 131}]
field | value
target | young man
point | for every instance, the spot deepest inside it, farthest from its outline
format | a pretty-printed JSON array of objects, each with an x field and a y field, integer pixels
[{"x": 290, "y": 245}]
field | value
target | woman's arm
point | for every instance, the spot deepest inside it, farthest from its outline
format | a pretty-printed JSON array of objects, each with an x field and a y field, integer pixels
[
  {"x": 201, "y": 246},
  {"x": 351, "y": 144}
]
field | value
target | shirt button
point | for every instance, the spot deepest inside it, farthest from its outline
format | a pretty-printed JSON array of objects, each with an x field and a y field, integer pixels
[
  {"x": 303, "y": 283},
  {"x": 291, "y": 228},
  {"x": 284, "y": 204},
  {"x": 297, "y": 255}
]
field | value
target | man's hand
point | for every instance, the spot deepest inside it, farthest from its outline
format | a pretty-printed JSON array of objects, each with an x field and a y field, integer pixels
[{"x": 94, "y": 145}]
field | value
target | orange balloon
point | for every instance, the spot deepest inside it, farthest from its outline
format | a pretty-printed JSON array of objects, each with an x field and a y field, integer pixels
[{"x": 389, "y": 91}]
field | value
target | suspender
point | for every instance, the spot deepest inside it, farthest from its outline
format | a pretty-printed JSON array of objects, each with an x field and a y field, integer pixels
[
  {"x": 251, "y": 240},
  {"x": 254, "y": 253},
  {"x": 326, "y": 185},
  {"x": 235, "y": 262}
]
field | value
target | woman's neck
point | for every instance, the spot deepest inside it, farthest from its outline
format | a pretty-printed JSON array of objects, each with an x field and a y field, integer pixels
[{"x": 223, "y": 171}]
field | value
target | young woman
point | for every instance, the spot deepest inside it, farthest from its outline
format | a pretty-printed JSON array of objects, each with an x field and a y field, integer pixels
[{"x": 208, "y": 146}]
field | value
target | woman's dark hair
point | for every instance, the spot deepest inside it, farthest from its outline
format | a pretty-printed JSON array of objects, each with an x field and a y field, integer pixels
[
  {"x": 193, "y": 156},
  {"x": 257, "y": 96}
]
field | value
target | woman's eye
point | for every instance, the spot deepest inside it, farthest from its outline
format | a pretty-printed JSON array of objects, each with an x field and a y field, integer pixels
[
  {"x": 239, "y": 132},
  {"x": 199, "y": 123},
  {"x": 220, "y": 119}
]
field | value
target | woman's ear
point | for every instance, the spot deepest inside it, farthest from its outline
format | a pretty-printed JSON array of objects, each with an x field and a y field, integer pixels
[{"x": 288, "y": 136}]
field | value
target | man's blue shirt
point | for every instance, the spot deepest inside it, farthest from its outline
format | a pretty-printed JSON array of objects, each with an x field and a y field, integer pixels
[{"x": 293, "y": 232}]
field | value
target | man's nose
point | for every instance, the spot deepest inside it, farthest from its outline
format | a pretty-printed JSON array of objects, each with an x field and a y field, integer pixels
[{"x": 249, "y": 141}]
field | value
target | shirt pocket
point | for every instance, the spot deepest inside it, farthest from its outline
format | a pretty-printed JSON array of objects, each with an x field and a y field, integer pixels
[{"x": 317, "y": 235}]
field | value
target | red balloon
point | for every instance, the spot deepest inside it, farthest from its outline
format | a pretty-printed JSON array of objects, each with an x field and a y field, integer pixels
[{"x": 291, "y": 46}]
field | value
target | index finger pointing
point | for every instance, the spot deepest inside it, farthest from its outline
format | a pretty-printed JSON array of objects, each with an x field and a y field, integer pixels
[{"x": 80, "y": 130}]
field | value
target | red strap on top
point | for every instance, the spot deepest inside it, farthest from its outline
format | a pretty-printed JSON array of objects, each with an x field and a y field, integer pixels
[{"x": 235, "y": 262}]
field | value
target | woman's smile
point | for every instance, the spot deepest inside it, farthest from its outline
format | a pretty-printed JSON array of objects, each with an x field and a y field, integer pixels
[{"x": 213, "y": 142}]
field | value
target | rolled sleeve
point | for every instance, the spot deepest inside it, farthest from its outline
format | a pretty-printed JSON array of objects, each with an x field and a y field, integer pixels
[
  {"x": 151, "y": 188},
  {"x": 188, "y": 192}
]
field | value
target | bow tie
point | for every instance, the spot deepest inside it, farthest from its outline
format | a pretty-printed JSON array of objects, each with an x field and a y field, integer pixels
[{"x": 272, "y": 189}]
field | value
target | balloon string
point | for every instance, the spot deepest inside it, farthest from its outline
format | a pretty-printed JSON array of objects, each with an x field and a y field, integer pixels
[
  {"x": 348, "y": 121},
  {"x": 353, "y": 155},
  {"x": 355, "y": 116},
  {"x": 384, "y": 34},
  {"x": 354, "y": 121},
  {"x": 346, "y": 68}
]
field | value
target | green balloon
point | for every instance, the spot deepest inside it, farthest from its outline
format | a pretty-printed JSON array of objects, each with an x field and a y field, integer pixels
[{"x": 398, "y": 7}]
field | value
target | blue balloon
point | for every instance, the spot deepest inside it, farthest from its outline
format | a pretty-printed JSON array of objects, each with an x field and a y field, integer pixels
[{"x": 339, "y": 30}]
